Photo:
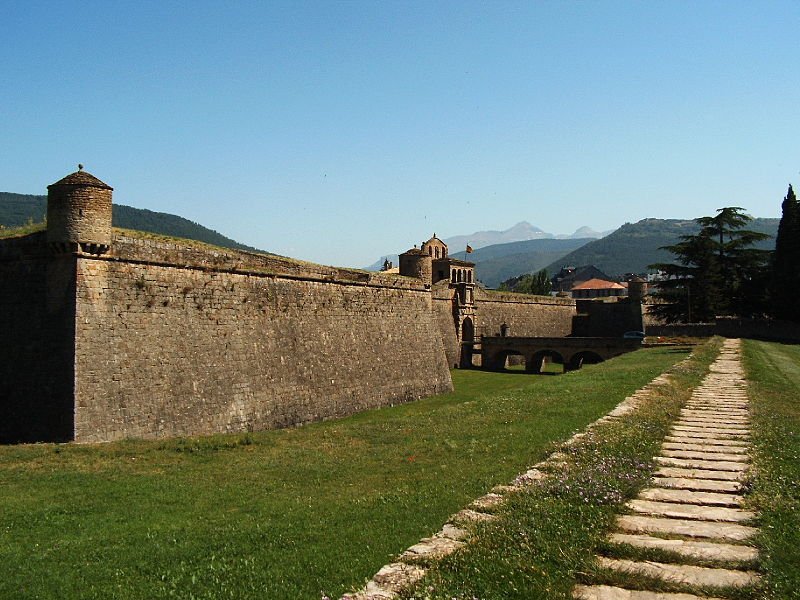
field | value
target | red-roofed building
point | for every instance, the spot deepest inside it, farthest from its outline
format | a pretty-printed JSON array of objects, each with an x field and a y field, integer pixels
[{"x": 598, "y": 288}]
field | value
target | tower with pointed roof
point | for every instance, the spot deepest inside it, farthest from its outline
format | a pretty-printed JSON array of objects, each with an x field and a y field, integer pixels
[{"x": 79, "y": 214}]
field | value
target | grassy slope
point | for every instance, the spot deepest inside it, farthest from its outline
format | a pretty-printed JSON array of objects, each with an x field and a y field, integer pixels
[
  {"x": 774, "y": 373},
  {"x": 282, "y": 514}
]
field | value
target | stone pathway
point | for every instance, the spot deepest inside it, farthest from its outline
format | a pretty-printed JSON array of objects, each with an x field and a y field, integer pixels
[{"x": 692, "y": 513}]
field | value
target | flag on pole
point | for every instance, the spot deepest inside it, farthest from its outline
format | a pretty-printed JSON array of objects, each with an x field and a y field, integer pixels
[{"x": 469, "y": 249}]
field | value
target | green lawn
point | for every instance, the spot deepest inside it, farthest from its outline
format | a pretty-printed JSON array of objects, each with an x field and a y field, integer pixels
[
  {"x": 774, "y": 373},
  {"x": 283, "y": 514}
]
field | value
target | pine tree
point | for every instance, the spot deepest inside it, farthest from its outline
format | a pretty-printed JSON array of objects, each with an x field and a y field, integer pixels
[
  {"x": 785, "y": 282},
  {"x": 717, "y": 271}
]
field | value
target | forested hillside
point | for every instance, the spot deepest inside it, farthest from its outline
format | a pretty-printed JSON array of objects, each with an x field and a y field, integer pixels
[
  {"x": 634, "y": 246},
  {"x": 20, "y": 209}
]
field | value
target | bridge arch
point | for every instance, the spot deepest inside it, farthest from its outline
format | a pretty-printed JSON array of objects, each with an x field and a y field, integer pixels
[
  {"x": 538, "y": 360},
  {"x": 586, "y": 357},
  {"x": 503, "y": 359}
]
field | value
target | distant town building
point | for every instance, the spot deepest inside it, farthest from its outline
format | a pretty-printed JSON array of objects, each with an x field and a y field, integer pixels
[
  {"x": 568, "y": 277},
  {"x": 598, "y": 288}
]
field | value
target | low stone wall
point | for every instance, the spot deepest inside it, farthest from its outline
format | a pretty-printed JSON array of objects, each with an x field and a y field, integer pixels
[{"x": 525, "y": 315}]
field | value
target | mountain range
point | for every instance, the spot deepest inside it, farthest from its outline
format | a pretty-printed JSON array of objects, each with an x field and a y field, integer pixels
[{"x": 522, "y": 231}]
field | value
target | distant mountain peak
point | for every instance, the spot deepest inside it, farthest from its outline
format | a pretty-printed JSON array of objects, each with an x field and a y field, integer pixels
[{"x": 520, "y": 232}]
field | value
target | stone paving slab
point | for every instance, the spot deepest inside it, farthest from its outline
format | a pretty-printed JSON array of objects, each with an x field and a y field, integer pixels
[
  {"x": 708, "y": 441},
  {"x": 490, "y": 500},
  {"x": 711, "y": 424},
  {"x": 708, "y": 448},
  {"x": 728, "y": 553},
  {"x": 711, "y": 465},
  {"x": 708, "y": 435},
  {"x": 735, "y": 433},
  {"x": 701, "y": 455},
  {"x": 703, "y": 485},
  {"x": 468, "y": 515},
  {"x": 731, "y": 532},
  {"x": 727, "y": 416},
  {"x": 713, "y": 420},
  {"x": 432, "y": 547},
  {"x": 700, "y": 473},
  {"x": 717, "y": 406},
  {"x": 685, "y": 574},
  {"x": 605, "y": 592},
  {"x": 691, "y": 497},
  {"x": 388, "y": 582},
  {"x": 690, "y": 511}
]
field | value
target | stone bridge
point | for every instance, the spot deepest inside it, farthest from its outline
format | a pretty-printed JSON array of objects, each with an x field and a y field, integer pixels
[{"x": 572, "y": 352}]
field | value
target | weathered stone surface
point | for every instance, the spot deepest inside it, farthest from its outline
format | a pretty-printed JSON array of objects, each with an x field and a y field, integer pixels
[
  {"x": 706, "y": 456},
  {"x": 712, "y": 465},
  {"x": 489, "y": 500},
  {"x": 691, "y": 497},
  {"x": 700, "y": 474},
  {"x": 687, "y": 528},
  {"x": 708, "y": 441},
  {"x": 690, "y": 511},
  {"x": 471, "y": 516},
  {"x": 686, "y": 574},
  {"x": 454, "y": 533},
  {"x": 397, "y": 576},
  {"x": 530, "y": 477},
  {"x": 707, "y": 448},
  {"x": 707, "y": 428},
  {"x": 715, "y": 424},
  {"x": 432, "y": 547},
  {"x": 730, "y": 553},
  {"x": 706, "y": 485},
  {"x": 605, "y": 592}
]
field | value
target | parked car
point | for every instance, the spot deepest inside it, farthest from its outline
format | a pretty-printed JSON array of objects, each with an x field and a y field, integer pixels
[{"x": 633, "y": 335}]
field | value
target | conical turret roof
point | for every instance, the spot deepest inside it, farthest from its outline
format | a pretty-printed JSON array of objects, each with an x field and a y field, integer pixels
[{"x": 81, "y": 178}]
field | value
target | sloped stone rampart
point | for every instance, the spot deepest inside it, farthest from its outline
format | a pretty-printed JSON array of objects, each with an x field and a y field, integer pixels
[{"x": 164, "y": 350}]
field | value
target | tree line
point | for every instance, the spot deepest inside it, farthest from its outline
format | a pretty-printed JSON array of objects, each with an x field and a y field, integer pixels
[{"x": 718, "y": 272}]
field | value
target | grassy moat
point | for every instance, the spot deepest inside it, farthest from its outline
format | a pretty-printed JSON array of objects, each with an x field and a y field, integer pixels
[{"x": 315, "y": 511}]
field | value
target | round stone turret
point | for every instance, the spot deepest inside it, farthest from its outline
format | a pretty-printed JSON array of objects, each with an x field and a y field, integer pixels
[
  {"x": 79, "y": 214},
  {"x": 416, "y": 263}
]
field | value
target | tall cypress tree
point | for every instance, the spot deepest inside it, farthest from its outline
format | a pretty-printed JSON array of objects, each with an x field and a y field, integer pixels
[{"x": 785, "y": 284}]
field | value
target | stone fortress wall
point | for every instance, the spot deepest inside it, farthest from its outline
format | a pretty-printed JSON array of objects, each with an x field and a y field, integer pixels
[
  {"x": 170, "y": 349},
  {"x": 132, "y": 335}
]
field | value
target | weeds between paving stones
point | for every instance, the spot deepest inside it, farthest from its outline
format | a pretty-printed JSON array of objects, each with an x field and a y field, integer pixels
[{"x": 544, "y": 537}]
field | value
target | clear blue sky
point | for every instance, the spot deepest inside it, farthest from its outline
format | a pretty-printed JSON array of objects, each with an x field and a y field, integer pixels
[{"x": 338, "y": 131}]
